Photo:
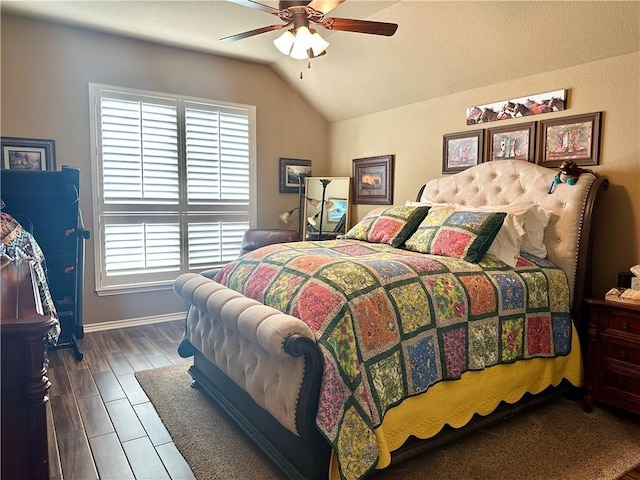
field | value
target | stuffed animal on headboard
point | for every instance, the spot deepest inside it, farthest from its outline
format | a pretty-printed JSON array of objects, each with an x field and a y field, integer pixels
[{"x": 569, "y": 173}]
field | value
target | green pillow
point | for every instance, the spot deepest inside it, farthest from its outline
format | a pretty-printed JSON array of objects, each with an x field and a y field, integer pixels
[
  {"x": 457, "y": 234},
  {"x": 391, "y": 225}
]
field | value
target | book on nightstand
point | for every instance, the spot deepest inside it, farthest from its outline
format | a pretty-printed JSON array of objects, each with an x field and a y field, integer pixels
[{"x": 627, "y": 295}]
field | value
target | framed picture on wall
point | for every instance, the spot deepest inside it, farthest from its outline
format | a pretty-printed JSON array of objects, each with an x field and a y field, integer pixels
[
  {"x": 373, "y": 180},
  {"x": 574, "y": 138},
  {"x": 461, "y": 150},
  {"x": 28, "y": 153},
  {"x": 289, "y": 169},
  {"x": 513, "y": 142}
]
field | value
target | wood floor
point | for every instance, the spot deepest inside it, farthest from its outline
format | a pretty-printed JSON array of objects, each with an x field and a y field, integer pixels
[{"x": 105, "y": 426}]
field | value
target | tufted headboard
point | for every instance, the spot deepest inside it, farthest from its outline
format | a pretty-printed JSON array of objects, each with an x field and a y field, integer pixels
[{"x": 507, "y": 182}]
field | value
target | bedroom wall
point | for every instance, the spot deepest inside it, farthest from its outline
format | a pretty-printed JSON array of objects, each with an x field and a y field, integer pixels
[
  {"x": 46, "y": 69},
  {"x": 414, "y": 134}
]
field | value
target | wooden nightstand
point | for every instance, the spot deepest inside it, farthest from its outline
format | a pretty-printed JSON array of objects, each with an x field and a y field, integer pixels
[{"x": 613, "y": 364}]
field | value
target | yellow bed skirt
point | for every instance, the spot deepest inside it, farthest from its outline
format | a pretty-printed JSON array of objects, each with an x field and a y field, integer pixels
[{"x": 477, "y": 392}]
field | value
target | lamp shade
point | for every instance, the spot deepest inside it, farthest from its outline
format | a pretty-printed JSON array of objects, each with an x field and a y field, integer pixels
[
  {"x": 301, "y": 44},
  {"x": 318, "y": 44},
  {"x": 284, "y": 42}
]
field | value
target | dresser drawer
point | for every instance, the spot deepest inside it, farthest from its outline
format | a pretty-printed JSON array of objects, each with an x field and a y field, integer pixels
[
  {"x": 622, "y": 322},
  {"x": 629, "y": 353}
]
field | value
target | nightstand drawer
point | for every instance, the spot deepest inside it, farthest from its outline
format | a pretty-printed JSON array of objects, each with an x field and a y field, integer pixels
[
  {"x": 619, "y": 321},
  {"x": 621, "y": 352},
  {"x": 624, "y": 383}
]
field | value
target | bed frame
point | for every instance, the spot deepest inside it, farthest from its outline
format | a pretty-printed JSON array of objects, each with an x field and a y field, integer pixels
[{"x": 264, "y": 368}]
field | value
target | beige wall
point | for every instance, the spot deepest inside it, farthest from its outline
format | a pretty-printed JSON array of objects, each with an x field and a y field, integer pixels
[
  {"x": 414, "y": 134},
  {"x": 46, "y": 69}
]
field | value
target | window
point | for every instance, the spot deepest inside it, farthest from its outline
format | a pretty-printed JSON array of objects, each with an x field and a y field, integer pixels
[{"x": 173, "y": 182}]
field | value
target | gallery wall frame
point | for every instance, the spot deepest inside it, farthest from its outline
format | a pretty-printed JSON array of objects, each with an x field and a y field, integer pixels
[
  {"x": 511, "y": 142},
  {"x": 288, "y": 179},
  {"x": 461, "y": 150},
  {"x": 574, "y": 138},
  {"x": 28, "y": 153},
  {"x": 534, "y": 104},
  {"x": 373, "y": 180}
]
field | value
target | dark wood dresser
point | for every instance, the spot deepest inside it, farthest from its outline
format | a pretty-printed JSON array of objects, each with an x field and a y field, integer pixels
[
  {"x": 613, "y": 363},
  {"x": 25, "y": 386}
]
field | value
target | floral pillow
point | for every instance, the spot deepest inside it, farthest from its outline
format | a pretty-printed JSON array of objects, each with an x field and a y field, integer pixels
[
  {"x": 392, "y": 225},
  {"x": 458, "y": 234}
]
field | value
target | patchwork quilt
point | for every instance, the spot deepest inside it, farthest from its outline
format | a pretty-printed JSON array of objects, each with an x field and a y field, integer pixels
[{"x": 391, "y": 323}]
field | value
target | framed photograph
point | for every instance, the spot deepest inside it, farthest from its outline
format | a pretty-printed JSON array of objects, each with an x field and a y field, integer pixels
[
  {"x": 289, "y": 168},
  {"x": 339, "y": 209},
  {"x": 28, "y": 153},
  {"x": 514, "y": 142},
  {"x": 574, "y": 138},
  {"x": 373, "y": 180},
  {"x": 461, "y": 150}
]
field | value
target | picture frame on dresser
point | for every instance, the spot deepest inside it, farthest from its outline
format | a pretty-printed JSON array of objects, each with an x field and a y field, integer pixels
[{"x": 28, "y": 153}]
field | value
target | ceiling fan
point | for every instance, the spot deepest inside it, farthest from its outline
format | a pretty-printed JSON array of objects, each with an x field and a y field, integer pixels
[{"x": 302, "y": 41}]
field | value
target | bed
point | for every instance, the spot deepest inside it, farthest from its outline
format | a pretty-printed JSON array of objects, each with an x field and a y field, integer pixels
[{"x": 343, "y": 356}]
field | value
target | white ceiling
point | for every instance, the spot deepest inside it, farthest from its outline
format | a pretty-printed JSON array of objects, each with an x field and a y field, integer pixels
[{"x": 441, "y": 47}]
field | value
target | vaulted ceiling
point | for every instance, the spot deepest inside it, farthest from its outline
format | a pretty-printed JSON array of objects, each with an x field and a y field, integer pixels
[{"x": 441, "y": 47}]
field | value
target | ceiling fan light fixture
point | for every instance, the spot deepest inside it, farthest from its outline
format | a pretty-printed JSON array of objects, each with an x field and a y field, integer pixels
[
  {"x": 284, "y": 43},
  {"x": 318, "y": 44},
  {"x": 302, "y": 43}
]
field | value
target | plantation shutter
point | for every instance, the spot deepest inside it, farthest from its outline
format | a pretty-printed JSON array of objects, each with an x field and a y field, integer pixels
[
  {"x": 139, "y": 151},
  {"x": 174, "y": 182}
]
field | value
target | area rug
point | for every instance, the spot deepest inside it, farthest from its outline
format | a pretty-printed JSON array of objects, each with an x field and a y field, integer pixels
[{"x": 555, "y": 440}]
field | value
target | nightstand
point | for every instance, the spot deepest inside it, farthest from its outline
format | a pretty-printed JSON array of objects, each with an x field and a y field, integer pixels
[{"x": 613, "y": 363}]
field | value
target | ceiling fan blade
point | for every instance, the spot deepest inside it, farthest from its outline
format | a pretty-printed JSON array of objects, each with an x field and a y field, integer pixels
[
  {"x": 325, "y": 6},
  {"x": 259, "y": 6},
  {"x": 360, "y": 26},
  {"x": 251, "y": 33}
]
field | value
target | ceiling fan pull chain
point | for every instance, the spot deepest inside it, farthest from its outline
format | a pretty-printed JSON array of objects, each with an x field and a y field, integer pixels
[{"x": 308, "y": 66}]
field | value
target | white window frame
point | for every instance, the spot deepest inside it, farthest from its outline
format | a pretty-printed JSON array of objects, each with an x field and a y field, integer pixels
[{"x": 183, "y": 212}]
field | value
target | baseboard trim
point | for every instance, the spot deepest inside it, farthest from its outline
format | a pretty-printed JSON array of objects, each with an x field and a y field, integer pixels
[{"x": 134, "y": 322}]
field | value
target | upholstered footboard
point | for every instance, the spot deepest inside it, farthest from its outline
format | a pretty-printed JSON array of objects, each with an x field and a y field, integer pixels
[{"x": 262, "y": 366}]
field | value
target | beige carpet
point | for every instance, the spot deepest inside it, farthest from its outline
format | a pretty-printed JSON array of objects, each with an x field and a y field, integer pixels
[{"x": 555, "y": 441}]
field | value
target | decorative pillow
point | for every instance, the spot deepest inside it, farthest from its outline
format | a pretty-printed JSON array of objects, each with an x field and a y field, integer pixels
[
  {"x": 459, "y": 234},
  {"x": 392, "y": 225}
]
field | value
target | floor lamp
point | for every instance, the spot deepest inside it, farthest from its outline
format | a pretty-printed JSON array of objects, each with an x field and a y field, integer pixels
[
  {"x": 301, "y": 173},
  {"x": 324, "y": 182}
]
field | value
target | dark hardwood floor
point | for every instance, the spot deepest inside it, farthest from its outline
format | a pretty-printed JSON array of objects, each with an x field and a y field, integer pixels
[{"x": 105, "y": 427}]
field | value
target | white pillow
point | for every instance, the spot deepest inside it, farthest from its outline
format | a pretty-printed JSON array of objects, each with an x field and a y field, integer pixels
[{"x": 535, "y": 221}]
